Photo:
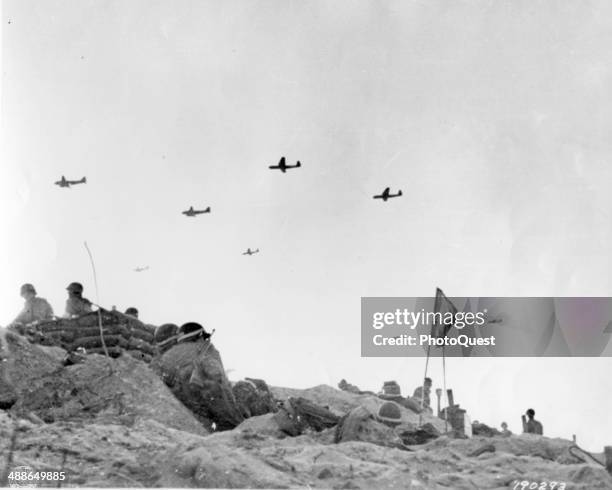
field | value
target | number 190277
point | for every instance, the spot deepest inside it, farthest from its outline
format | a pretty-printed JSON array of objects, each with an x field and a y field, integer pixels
[{"x": 537, "y": 485}]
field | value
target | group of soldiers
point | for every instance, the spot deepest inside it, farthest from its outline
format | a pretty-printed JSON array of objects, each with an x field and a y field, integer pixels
[
  {"x": 186, "y": 360},
  {"x": 37, "y": 309},
  {"x": 420, "y": 402},
  {"x": 530, "y": 424}
]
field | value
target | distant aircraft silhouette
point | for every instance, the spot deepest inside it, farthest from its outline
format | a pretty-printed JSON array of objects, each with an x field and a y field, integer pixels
[
  {"x": 68, "y": 183},
  {"x": 282, "y": 165},
  {"x": 141, "y": 269},
  {"x": 250, "y": 252},
  {"x": 386, "y": 195},
  {"x": 194, "y": 212}
]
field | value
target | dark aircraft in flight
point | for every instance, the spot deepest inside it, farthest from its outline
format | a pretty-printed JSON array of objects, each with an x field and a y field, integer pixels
[
  {"x": 194, "y": 212},
  {"x": 68, "y": 183},
  {"x": 250, "y": 252},
  {"x": 141, "y": 269},
  {"x": 386, "y": 195},
  {"x": 282, "y": 165}
]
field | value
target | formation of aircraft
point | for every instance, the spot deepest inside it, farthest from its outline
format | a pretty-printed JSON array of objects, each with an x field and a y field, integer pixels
[
  {"x": 387, "y": 195},
  {"x": 194, "y": 212},
  {"x": 191, "y": 212},
  {"x": 67, "y": 183},
  {"x": 282, "y": 165}
]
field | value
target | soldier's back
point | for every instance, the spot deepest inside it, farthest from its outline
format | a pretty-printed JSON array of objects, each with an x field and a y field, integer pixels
[
  {"x": 77, "y": 306},
  {"x": 177, "y": 363}
]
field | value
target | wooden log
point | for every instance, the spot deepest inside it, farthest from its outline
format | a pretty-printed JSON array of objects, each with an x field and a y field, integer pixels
[{"x": 313, "y": 415}]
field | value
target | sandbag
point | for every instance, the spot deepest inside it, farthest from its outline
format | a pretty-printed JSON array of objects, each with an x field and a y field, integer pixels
[
  {"x": 57, "y": 339},
  {"x": 57, "y": 327},
  {"x": 96, "y": 341},
  {"x": 91, "y": 320},
  {"x": 117, "y": 329},
  {"x": 139, "y": 344},
  {"x": 141, "y": 356},
  {"x": 140, "y": 330},
  {"x": 115, "y": 351}
]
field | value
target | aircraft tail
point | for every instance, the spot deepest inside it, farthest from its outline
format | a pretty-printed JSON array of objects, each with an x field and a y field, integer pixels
[
  {"x": 84, "y": 180},
  {"x": 399, "y": 193},
  {"x": 298, "y": 164},
  {"x": 207, "y": 210}
]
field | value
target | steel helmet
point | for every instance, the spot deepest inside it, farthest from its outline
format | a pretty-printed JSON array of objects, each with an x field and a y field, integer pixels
[
  {"x": 132, "y": 311},
  {"x": 165, "y": 332},
  {"x": 75, "y": 287},
  {"x": 192, "y": 330},
  {"x": 27, "y": 288}
]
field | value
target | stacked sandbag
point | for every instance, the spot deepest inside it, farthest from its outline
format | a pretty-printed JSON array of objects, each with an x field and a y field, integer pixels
[
  {"x": 83, "y": 333},
  {"x": 120, "y": 333},
  {"x": 141, "y": 343}
]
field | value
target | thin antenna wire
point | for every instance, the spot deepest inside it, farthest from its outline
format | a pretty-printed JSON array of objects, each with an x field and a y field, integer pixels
[{"x": 93, "y": 267}]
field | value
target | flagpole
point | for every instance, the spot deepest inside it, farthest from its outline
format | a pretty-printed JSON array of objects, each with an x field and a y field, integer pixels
[{"x": 444, "y": 383}]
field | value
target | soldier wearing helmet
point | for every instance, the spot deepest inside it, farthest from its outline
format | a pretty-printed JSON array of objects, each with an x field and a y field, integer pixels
[
  {"x": 165, "y": 337},
  {"x": 193, "y": 370},
  {"x": 35, "y": 309},
  {"x": 131, "y": 311},
  {"x": 531, "y": 425},
  {"x": 76, "y": 305}
]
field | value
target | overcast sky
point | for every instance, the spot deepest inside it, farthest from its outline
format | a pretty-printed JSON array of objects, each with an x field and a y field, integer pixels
[{"x": 494, "y": 118}]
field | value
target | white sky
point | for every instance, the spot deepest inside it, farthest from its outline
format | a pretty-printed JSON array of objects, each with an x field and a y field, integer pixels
[{"x": 494, "y": 118}]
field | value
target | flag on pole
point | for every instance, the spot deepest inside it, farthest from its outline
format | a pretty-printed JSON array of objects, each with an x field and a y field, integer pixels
[{"x": 444, "y": 318}]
